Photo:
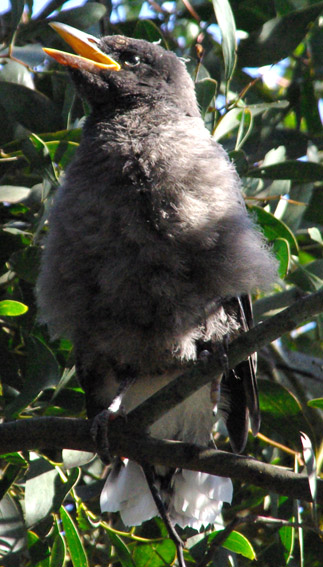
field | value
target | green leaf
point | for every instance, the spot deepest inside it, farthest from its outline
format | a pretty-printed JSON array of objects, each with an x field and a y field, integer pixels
[
  {"x": 155, "y": 554},
  {"x": 42, "y": 373},
  {"x": 29, "y": 107},
  {"x": 277, "y": 38},
  {"x": 14, "y": 72},
  {"x": 10, "y": 308},
  {"x": 205, "y": 92},
  {"x": 25, "y": 263},
  {"x": 300, "y": 171},
  {"x": 227, "y": 123},
  {"x": 15, "y": 459},
  {"x": 58, "y": 554},
  {"x": 315, "y": 234},
  {"x": 274, "y": 228},
  {"x": 9, "y": 476},
  {"x": 32, "y": 54},
  {"x": 237, "y": 543},
  {"x": 146, "y": 29},
  {"x": 310, "y": 463},
  {"x": 17, "y": 8},
  {"x": 81, "y": 18},
  {"x": 62, "y": 152},
  {"x": 287, "y": 537},
  {"x": 73, "y": 458},
  {"x": 12, "y": 528},
  {"x": 227, "y": 26},
  {"x": 309, "y": 277},
  {"x": 38, "y": 550},
  {"x": 281, "y": 250},
  {"x": 122, "y": 550},
  {"x": 316, "y": 403},
  {"x": 260, "y": 108},
  {"x": 74, "y": 543},
  {"x": 232, "y": 119},
  {"x": 38, "y": 155},
  {"x": 240, "y": 161},
  {"x": 40, "y": 490},
  {"x": 45, "y": 490},
  {"x": 245, "y": 127},
  {"x": 280, "y": 411},
  {"x": 13, "y": 193}
]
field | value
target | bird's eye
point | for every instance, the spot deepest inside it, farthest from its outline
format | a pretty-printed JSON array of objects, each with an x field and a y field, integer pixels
[{"x": 132, "y": 61}]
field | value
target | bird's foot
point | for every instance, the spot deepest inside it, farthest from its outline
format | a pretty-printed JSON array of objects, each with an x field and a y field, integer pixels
[
  {"x": 204, "y": 355},
  {"x": 223, "y": 349},
  {"x": 100, "y": 424},
  {"x": 100, "y": 430}
]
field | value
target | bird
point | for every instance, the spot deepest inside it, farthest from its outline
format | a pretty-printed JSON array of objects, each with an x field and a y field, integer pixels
[{"x": 149, "y": 263}]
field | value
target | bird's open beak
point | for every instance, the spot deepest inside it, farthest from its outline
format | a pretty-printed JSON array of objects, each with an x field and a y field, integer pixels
[{"x": 90, "y": 57}]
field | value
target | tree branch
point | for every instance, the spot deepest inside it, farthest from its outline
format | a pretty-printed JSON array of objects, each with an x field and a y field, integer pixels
[
  {"x": 75, "y": 434},
  {"x": 200, "y": 373},
  {"x": 125, "y": 441}
]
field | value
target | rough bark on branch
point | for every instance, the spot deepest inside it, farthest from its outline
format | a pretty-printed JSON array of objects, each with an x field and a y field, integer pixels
[
  {"x": 127, "y": 438},
  {"x": 75, "y": 434}
]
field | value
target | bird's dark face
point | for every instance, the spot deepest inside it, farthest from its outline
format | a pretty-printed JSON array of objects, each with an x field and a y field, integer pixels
[{"x": 117, "y": 71}]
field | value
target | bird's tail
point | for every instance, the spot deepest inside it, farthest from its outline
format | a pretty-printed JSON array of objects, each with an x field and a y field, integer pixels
[{"x": 192, "y": 498}]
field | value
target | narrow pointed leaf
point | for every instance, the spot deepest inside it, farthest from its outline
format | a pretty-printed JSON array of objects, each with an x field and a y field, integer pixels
[
  {"x": 227, "y": 26},
  {"x": 73, "y": 539}
]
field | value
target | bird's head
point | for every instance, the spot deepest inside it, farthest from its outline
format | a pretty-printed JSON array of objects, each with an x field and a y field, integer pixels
[{"x": 121, "y": 72}]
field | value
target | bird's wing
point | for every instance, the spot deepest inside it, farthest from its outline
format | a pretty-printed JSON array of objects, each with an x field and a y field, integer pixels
[{"x": 239, "y": 391}]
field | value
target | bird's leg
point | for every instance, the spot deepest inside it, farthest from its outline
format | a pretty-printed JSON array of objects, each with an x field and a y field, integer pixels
[
  {"x": 223, "y": 349},
  {"x": 148, "y": 471},
  {"x": 204, "y": 351},
  {"x": 100, "y": 424}
]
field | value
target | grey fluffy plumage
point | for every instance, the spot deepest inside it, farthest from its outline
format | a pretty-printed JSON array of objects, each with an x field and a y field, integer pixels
[{"x": 149, "y": 238}]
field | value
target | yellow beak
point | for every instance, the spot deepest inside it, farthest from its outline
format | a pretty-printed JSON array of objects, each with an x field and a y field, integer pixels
[{"x": 90, "y": 57}]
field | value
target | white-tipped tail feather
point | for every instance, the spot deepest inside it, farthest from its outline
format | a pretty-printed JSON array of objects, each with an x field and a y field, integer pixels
[{"x": 194, "y": 499}]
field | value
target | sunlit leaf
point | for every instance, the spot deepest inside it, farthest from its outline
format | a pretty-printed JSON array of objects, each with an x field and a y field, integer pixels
[
  {"x": 274, "y": 228},
  {"x": 237, "y": 543},
  {"x": 155, "y": 554},
  {"x": 73, "y": 539},
  {"x": 316, "y": 403},
  {"x": 310, "y": 463},
  {"x": 13, "y": 194},
  {"x": 281, "y": 250},
  {"x": 10, "y": 308},
  {"x": 287, "y": 537},
  {"x": 12, "y": 528},
  {"x": 315, "y": 234},
  {"x": 227, "y": 26},
  {"x": 40, "y": 490}
]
